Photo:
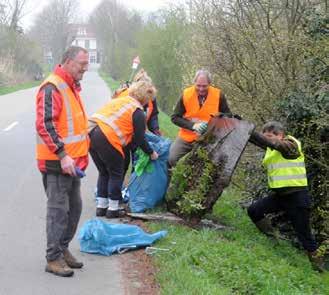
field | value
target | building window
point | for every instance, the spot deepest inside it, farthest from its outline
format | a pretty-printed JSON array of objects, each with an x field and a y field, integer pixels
[
  {"x": 82, "y": 32},
  {"x": 92, "y": 58},
  {"x": 87, "y": 44},
  {"x": 93, "y": 44}
]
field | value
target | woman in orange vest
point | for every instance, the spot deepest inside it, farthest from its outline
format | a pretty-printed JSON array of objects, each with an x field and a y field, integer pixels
[
  {"x": 150, "y": 109},
  {"x": 151, "y": 113},
  {"x": 193, "y": 112},
  {"x": 117, "y": 123}
]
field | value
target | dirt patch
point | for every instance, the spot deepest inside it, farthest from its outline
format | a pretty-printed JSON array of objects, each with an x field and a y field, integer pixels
[{"x": 138, "y": 271}]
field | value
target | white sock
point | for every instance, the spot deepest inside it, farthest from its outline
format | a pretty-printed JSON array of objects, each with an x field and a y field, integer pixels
[
  {"x": 113, "y": 205},
  {"x": 102, "y": 202}
]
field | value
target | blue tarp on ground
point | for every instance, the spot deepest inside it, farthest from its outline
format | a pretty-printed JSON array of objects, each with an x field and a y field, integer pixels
[
  {"x": 147, "y": 190},
  {"x": 99, "y": 237}
]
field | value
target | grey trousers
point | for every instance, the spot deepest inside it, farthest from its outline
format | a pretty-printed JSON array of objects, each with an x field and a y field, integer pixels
[
  {"x": 64, "y": 207},
  {"x": 178, "y": 149}
]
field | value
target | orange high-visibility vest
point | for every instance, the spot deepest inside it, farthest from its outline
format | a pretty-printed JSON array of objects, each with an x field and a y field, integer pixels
[
  {"x": 72, "y": 124},
  {"x": 121, "y": 92},
  {"x": 149, "y": 110},
  {"x": 194, "y": 113},
  {"x": 115, "y": 120},
  {"x": 149, "y": 107}
]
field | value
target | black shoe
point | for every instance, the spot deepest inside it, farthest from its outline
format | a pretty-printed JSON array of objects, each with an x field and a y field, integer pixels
[
  {"x": 115, "y": 213},
  {"x": 112, "y": 214},
  {"x": 101, "y": 211}
]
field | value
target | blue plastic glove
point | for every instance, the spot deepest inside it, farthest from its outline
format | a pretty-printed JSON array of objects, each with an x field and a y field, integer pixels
[{"x": 79, "y": 172}]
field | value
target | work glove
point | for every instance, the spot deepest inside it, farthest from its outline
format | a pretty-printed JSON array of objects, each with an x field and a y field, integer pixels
[{"x": 200, "y": 127}]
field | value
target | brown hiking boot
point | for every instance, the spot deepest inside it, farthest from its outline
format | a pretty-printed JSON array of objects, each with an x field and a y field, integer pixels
[
  {"x": 59, "y": 268},
  {"x": 317, "y": 261},
  {"x": 71, "y": 260}
]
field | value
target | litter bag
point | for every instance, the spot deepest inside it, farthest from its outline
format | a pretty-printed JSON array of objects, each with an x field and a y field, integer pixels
[
  {"x": 148, "y": 189},
  {"x": 99, "y": 237}
]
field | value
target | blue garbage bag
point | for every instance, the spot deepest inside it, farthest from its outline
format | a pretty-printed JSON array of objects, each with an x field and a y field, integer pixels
[
  {"x": 147, "y": 190},
  {"x": 99, "y": 237}
]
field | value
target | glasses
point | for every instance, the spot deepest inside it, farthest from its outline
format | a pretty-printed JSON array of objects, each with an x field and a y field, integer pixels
[{"x": 83, "y": 64}]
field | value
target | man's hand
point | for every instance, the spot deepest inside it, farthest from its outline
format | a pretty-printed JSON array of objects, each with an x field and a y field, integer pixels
[
  {"x": 200, "y": 127},
  {"x": 68, "y": 167},
  {"x": 154, "y": 156}
]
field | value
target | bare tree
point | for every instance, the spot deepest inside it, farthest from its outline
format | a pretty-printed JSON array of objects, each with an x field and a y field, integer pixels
[
  {"x": 116, "y": 28},
  {"x": 52, "y": 26},
  {"x": 255, "y": 48},
  {"x": 11, "y": 13}
]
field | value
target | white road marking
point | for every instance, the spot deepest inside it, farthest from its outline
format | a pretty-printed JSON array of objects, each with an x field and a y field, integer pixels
[{"x": 11, "y": 126}]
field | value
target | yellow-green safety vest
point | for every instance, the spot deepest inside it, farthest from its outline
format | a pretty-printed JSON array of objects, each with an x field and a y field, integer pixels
[{"x": 282, "y": 172}]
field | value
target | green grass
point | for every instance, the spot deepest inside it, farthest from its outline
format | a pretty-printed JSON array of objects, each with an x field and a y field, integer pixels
[
  {"x": 167, "y": 127},
  {"x": 238, "y": 260},
  {"x": 9, "y": 89},
  {"x": 112, "y": 84}
]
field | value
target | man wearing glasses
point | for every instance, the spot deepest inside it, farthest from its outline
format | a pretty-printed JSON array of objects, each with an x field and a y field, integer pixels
[
  {"x": 193, "y": 112},
  {"x": 62, "y": 155}
]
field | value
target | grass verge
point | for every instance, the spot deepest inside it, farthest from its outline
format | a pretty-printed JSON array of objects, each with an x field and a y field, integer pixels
[
  {"x": 238, "y": 260},
  {"x": 112, "y": 84},
  {"x": 9, "y": 89}
]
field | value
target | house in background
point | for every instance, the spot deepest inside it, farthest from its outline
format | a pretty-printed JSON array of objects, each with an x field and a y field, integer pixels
[{"x": 83, "y": 36}]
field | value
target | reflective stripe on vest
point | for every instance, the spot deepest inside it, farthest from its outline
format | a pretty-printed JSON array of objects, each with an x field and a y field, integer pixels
[
  {"x": 123, "y": 92},
  {"x": 197, "y": 114},
  {"x": 115, "y": 127},
  {"x": 150, "y": 106},
  {"x": 75, "y": 139},
  {"x": 68, "y": 139},
  {"x": 112, "y": 120},
  {"x": 283, "y": 172}
]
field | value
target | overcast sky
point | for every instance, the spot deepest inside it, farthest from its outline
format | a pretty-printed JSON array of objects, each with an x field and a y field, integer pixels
[{"x": 35, "y": 6}]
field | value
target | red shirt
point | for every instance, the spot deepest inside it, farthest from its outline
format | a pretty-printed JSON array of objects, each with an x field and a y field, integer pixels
[{"x": 49, "y": 105}]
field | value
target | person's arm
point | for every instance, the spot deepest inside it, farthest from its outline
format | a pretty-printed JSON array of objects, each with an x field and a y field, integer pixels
[
  {"x": 139, "y": 132},
  {"x": 223, "y": 106},
  {"x": 177, "y": 116},
  {"x": 48, "y": 109},
  {"x": 287, "y": 147},
  {"x": 153, "y": 122}
]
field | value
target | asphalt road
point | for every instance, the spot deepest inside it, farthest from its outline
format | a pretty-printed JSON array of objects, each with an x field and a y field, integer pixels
[{"x": 23, "y": 207}]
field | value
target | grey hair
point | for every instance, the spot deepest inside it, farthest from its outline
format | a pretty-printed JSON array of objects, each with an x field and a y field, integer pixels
[
  {"x": 72, "y": 52},
  {"x": 203, "y": 72},
  {"x": 273, "y": 127}
]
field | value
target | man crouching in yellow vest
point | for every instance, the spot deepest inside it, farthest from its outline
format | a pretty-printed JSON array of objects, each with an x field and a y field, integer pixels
[{"x": 286, "y": 173}]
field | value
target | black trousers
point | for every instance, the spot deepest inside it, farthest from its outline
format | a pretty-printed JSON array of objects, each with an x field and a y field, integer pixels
[
  {"x": 110, "y": 165},
  {"x": 297, "y": 207}
]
